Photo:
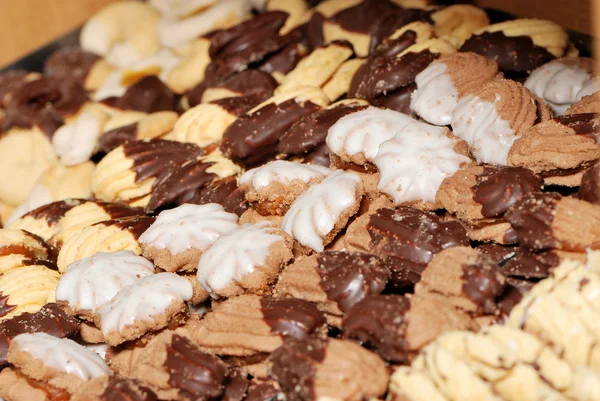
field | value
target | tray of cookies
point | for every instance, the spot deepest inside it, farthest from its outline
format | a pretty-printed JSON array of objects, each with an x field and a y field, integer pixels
[{"x": 299, "y": 200}]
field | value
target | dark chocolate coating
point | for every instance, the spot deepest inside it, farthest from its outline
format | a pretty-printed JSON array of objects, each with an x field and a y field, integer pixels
[
  {"x": 11, "y": 81},
  {"x": 512, "y": 53},
  {"x": 136, "y": 225},
  {"x": 590, "y": 185},
  {"x": 483, "y": 283},
  {"x": 310, "y": 131},
  {"x": 529, "y": 265},
  {"x": 249, "y": 82},
  {"x": 284, "y": 60},
  {"x": 117, "y": 137},
  {"x": 125, "y": 389},
  {"x": 264, "y": 391},
  {"x": 225, "y": 192},
  {"x": 410, "y": 238},
  {"x": 196, "y": 374},
  {"x": 236, "y": 385},
  {"x": 499, "y": 188},
  {"x": 379, "y": 322},
  {"x": 348, "y": 278},
  {"x": 51, "y": 319},
  {"x": 148, "y": 95},
  {"x": 240, "y": 105},
  {"x": 54, "y": 211},
  {"x": 398, "y": 100},
  {"x": 292, "y": 318},
  {"x": 5, "y": 307},
  {"x": 587, "y": 124},
  {"x": 532, "y": 219},
  {"x": 318, "y": 156},
  {"x": 70, "y": 63},
  {"x": 294, "y": 367},
  {"x": 253, "y": 138}
]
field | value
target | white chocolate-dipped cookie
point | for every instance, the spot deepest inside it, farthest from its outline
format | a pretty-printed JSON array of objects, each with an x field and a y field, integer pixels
[
  {"x": 105, "y": 236},
  {"x": 561, "y": 82},
  {"x": 91, "y": 282},
  {"x": 274, "y": 186},
  {"x": 356, "y": 137},
  {"x": 323, "y": 210},
  {"x": 149, "y": 304},
  {"x": 413, "y": 164},
  {"x": 55, "y": 184},
  {"x": 123, "y": 32},
  {"x": 61, "y": 362},
  {"x": 247, "y": 259},
  {"x": 493, "y": 117},
  {"x": 179, "y": 236},
  {"x": 18, "y": 245},
  {"x": 445, "y": 81}
]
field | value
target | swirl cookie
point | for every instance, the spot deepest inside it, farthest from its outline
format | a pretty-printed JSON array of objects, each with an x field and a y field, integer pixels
[
  {"x": 558, "y": 150},
  {"x": 18, "y": 246},
  {"x": 405, "y": 162},
  {"x": 519, "y": 45},
  {"x": 43, "y": 358},
  {"x": 329, "y": 280},
  {"x": 316, "y": 216},
  {"x": 147, "y": 305},
  {"x": 561, "y": 82},
  {"x": 178, "y": 237},
  {"x": 445, "y": 81},
  {"x": 105, "y": 236},
  {"x": 333, "y": 368},
  {"x": 91, "y": 282},
  {"x": 273, "y": 187},
  {"x": 493, "y": 117},
  {"x": 250, "y": 325},
  {"x": 253, "y": 137},
  {"x": 248, "y": 258},
  {"x": 122, "y": 33}
]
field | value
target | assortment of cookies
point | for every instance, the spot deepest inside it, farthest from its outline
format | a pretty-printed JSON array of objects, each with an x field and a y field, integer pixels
[{"x": 297, "y": 200}]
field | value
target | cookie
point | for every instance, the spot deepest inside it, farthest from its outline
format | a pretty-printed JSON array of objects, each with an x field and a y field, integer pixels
[
  {"x": 317, "y": 215},
  {"x": 338, "y": 369},
  {"x": 15, "y": 386},
  {"x": 18, "y": 246},
  {"x": 561, "y": 82},
  {"x": 339, "y": 84},
  {"x": 189, "y": 71},
  {"x": 43, "y": 357},
  {"x": 445, "y": 81},
  {"x": 91, "y": 282},
  {"x": 519, "y": 45},
  {"x": 458, "y": 22},
  {"x": 249, "y": 84},
  {"x": 102, "y": 388},
  {"x": 249, "y": 325},
  {"x": 492, "y": 118},
  {"x": 405, "y": 162},
  {"x": 273, "y": 187},
  {"x": 146, "y": 305},
  {"x": 105, "y": 236},
  {"x": 112, "y": 34},
  {"x": 87, "y": 69},
  {"x": 587, "y": 104},
  {"x": 590, "y": 185},
  {"x": 225, "y": 192},
  {"x": 178, "y": 237},
  {"x": 248, "y": 258}
]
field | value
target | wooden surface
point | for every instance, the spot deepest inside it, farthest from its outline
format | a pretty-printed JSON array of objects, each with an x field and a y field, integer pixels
[{"x": 28, "y": 24}]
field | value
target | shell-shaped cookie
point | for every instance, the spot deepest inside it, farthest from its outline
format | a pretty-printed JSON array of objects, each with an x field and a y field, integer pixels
[
  {"x": 203, "y": 124},
  {"x": 444, "y": 81},
  {"x": 492, "y": 118},
  {"x": 457, "y": 22},
  {"x": 129, "y": 172},
  {"x": 560, "y": 82},
  {"x": 249, "y": 257},
  {"x": 88, "y": 213},
  {"x": 57, "y": 356},
  {"x": 179, "y": 236},
  {"x": 413, "y": 164},
  {"x": 27, "y": 288},
  {"x": 18, "y": 245},
  {"x": 147, "y": 304},
  {"x": 106, "y": 236},
  {"x": 91, "y": 282},
  {"x": 320, "y": 212},
  {"x": 356, "y": 137}
]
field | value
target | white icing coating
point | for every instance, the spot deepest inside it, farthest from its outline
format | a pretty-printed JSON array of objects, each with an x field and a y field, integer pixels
[
  {"x": 362, "y": 132},
  {"x": 175, "y": 32},
  {"x": 91, "y": 282},
  {"x": 284, "y": 172},
  {"x": 62, "y": 354},
  {"x": 74, "y": 143},
  {"x": 315, "y": 213},
  {"x": 144, "y": 300},
  {"x": 189, "y": 227},
  {"x": 557, "y": 84},
  {"x": 590, "y": 87},
  {"x": 40, "y": 195},
  {"x": 236, "y": 255},
  {"x": 436, "y": 96},
  {"x": 413, "y": 164},
  {"x": 99, "y": 349},
  {"x": 489, "y": 136}
]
